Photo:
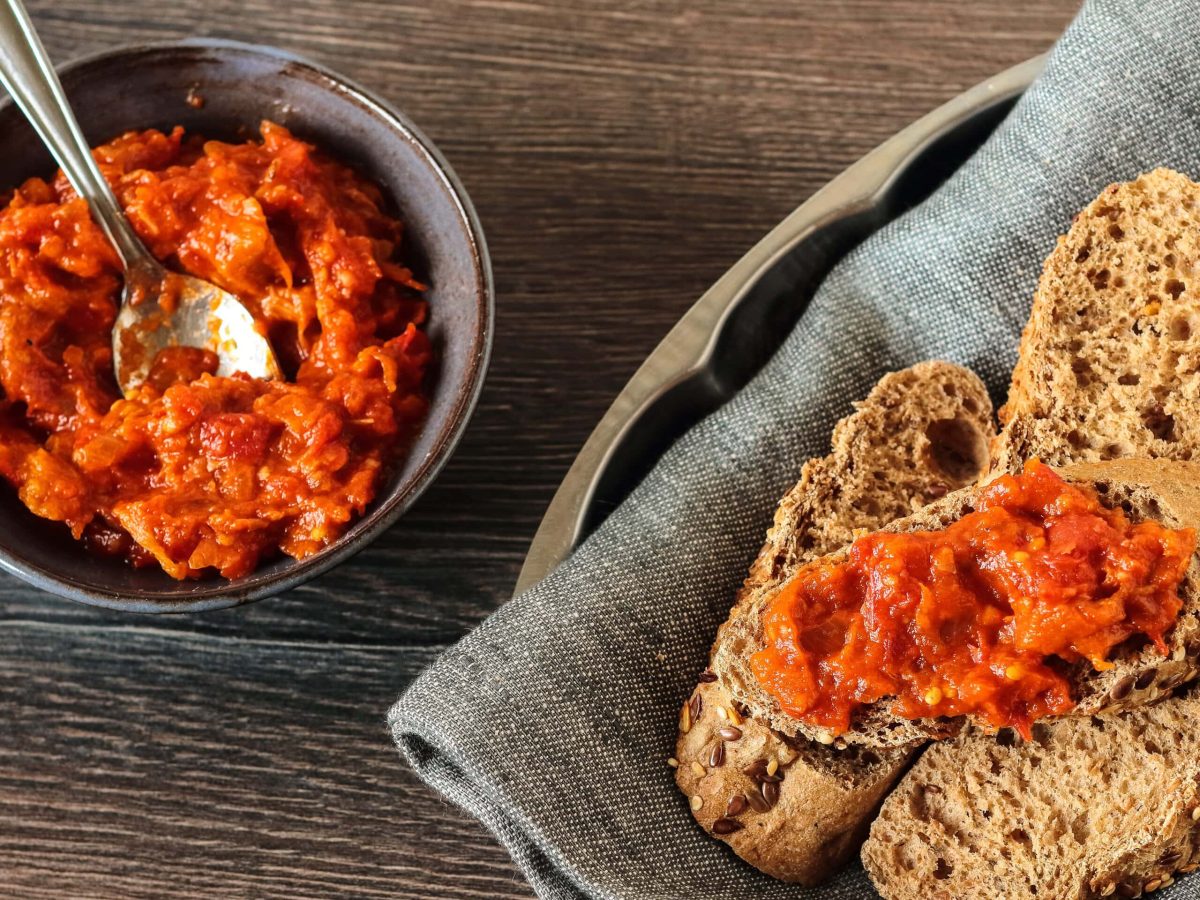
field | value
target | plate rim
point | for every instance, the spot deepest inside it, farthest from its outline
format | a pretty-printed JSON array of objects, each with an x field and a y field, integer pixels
[{"x": 688, "y": 347}]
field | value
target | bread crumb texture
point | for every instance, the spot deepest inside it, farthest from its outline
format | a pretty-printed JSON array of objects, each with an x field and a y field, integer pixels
[
  {"x": 1108, "y": 367},
  {"x": 920, "y": 434},
  {"x": 1096, "y": 807}
]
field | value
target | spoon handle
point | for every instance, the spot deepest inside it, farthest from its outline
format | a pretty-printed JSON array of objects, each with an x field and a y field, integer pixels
[{"x": 27, "y": 74}]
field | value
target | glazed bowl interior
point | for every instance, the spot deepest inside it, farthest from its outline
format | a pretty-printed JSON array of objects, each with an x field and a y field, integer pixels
[{"x": 224, "y": 90}]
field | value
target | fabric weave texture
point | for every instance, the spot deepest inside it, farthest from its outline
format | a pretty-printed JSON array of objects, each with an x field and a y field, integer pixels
[{"x": 552, "y": 721}]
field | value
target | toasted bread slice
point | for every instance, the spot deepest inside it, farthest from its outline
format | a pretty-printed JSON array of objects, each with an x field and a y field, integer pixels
[
  {"x": 1109, "y": 365},
  {"x": 1096, "y": 807},
  {"x": 920, "y": 433},
  {"x": 1162, "y": 491}
]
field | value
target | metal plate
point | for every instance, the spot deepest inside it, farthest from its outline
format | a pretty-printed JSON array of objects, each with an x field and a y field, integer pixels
[{"x": 730, "y": 333}]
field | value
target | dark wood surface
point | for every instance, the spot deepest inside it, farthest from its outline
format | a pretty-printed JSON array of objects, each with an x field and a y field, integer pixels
[{"x": 622, "y": 155}]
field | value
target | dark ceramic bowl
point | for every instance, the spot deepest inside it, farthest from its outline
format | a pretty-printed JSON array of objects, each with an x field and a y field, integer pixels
[{"x": 149, "y": 86}]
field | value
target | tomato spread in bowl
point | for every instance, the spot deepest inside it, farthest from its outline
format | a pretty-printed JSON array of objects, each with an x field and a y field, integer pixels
[
  {"x": 196, "y": 473},
  {"x": 982, "y": 617}
]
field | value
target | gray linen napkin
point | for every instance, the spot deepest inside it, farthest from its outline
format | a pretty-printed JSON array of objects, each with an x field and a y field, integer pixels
[{"x": 552, "y": 721}]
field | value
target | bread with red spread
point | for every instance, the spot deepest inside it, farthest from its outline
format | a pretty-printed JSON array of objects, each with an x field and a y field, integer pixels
[
  {"x": 1167, "y": 492},
  {"x": 1094, "y": 807},
  {"x": 1109, "y": 363},
  {"x": 920, "y": 434}
]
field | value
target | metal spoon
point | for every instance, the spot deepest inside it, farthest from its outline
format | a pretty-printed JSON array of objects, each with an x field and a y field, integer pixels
[{"x": 159, "y": 309}]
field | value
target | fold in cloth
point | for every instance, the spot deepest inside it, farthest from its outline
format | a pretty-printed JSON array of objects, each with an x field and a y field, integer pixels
[{"x": 553, "y": 720}]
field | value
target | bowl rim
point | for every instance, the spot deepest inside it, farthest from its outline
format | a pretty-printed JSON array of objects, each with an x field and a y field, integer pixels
[{"x": 223, "y": 594}]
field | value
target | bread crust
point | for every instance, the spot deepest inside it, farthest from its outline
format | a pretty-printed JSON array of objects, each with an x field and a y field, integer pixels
[
  {"x": 800, "y": 828},
  {"x": 930, "y": 422}
]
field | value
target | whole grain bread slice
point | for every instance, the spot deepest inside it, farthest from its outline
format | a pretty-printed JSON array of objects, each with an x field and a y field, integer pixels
[
  {"x": 920, "y": 433},
  {"x": 1163, "y": 491},
  {"x": 1108, "y": 364},
  {"x": 1095, "y": 807}
]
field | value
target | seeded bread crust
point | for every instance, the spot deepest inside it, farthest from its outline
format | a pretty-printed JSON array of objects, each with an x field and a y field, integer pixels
[
  {"x": 920, "y": 433},
  {"x": 1163, "y": 490},
  {"x": 800, "y": 822},
  {"x": 1108, "y": 364},
  {"x": 1099, "y": 807}
]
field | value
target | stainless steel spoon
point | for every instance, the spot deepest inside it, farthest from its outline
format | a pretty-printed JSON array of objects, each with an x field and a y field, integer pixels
[{"x": 159, "y": 309}]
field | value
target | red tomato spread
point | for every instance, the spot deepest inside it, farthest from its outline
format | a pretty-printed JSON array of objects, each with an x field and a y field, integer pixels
[
  {"x": 983, "y": 617},
  {"x": 197, "y": 473}
]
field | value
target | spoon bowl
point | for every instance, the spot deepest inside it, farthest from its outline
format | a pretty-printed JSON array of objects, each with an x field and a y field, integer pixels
[{"x": 161, "y": 310}]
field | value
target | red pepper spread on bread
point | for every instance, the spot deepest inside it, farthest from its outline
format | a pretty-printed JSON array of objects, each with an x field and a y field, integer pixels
[
  {"x": 979, "y": 618},
  {"x": 197, "y": 473}
]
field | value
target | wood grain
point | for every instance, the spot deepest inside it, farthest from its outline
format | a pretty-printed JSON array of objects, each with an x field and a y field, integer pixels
[
  {"x": 212, "y": 764},
  {"x": 622, "y": 155}
]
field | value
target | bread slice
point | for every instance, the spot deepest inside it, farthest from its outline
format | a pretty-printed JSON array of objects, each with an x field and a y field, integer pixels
[
  {"x": 920, "y": 433},
  {"x": 1105, "y": 806},
  {"x": 1163, "y": 491},
  {"x": 1109, "y": 363}
]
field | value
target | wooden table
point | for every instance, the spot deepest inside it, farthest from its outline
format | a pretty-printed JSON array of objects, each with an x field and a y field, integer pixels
[{"x": 622, "y": 155}]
